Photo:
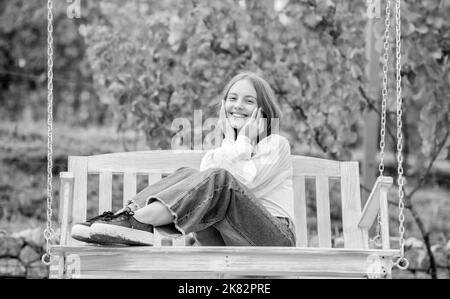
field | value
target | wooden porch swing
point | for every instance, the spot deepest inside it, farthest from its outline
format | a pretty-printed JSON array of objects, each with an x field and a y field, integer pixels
[{"x": 74, "y": 259}]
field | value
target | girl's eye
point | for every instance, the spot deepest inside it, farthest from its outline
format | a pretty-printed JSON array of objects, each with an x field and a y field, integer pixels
[
  {"x": 231, "y": 99},
  {"x": 250, "y": 101}
]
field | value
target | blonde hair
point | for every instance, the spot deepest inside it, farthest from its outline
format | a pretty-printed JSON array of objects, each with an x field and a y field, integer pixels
[{"x": 265, "y": 98}]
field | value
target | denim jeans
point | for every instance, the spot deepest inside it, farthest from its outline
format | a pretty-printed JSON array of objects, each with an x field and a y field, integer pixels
[{"x": 217, "y": 208}]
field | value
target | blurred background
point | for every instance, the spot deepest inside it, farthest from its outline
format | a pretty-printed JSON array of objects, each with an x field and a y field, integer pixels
[{"x": 123, "y": 71}]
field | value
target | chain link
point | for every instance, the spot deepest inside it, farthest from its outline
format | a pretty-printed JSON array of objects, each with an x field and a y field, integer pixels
[
  {"x": 385, "y": 86},
  {"x": 377, "y": 239},
  {"x": 49, "y": 232},
  {"x": 402, "y": 262}
]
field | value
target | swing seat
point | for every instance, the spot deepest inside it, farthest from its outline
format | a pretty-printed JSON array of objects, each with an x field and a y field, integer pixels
[{"x": 171, "y": 258}]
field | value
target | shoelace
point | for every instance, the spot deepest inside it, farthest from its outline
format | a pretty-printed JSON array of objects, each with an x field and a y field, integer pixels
[
  {"x": 104, "y": 215},
  {"x": 127, "y": 212}
]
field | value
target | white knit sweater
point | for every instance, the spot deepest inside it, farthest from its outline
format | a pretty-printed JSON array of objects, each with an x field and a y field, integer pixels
[{"x": 265, "y": 169}]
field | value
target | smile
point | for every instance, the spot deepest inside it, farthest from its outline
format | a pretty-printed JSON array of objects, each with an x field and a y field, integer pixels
[{"x": 238, "y": 115}]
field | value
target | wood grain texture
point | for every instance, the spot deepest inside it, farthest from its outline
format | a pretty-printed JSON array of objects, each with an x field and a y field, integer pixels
[
  {"x": 372, "y": 206},
  {"x": 384, "y": 218},
  {"x": 300, "y": 217},
  {"x": 141, "y": 262},
  {"x": 78, "y": 167},
  {"x": 354, "y": 237},
  {"x": 167, "y": 161},
  {"x": 66, "y": 204},
  {"x": 144, "y": 162},
  {"x": 65, "y": 212},
  {"x": 105, "y": 192},
  {"x": 323, "y": 211},
  {"x": 311, "y": 167},
  {"x": 153, "y": 177}
]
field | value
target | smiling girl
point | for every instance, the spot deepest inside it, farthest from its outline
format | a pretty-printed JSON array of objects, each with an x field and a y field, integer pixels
[{"x": 241, "y": 196}]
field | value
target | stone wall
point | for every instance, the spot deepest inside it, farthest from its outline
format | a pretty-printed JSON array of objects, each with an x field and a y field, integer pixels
[{"x": 20, "y": 255}]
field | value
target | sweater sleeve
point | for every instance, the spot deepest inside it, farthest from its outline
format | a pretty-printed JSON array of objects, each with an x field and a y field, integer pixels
[{"x": 272, "y": 155}]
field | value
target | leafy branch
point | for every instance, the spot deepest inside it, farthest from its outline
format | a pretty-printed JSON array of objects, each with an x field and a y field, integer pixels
[{"x": 371, "y": 106}]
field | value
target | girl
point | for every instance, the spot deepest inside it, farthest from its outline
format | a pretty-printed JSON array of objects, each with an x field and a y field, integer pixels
[{"x": 241, "y": 196}]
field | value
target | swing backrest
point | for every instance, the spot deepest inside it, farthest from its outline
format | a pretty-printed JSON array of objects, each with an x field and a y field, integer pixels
[{"x": 155, "y": 164}]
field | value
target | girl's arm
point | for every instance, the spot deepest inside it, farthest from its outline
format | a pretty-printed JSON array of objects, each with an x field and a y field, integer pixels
[{"x": 273, "y": 155}]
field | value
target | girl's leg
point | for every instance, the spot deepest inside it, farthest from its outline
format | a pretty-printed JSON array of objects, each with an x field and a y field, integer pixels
[
  {"x": 155, "y": 213},
  {"x": 214, "y": 198},
  {"x": 209, "y": 237},
  {"x": 158, "y": 214},
  {"x": 140, "y": 199}
]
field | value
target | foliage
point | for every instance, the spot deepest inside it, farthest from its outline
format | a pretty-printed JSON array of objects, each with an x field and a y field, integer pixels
[
  {"x": 23, "y": 65},
  {"x": 153, "y": 64},
  {"x": 426, "y": 78}
]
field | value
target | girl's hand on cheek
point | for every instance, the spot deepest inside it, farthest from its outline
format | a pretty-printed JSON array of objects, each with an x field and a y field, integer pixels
[
  {"x": 224, "y": 123},
  {"x": 253, "y": 126}
]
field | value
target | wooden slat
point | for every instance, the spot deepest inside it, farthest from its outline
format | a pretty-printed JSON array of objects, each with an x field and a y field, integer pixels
[
  {"x": 153, "y": 177},
  {"x": 180, "y": 241},
  {"x": 142, "y": 162},
  {"x": 266, "y": 261},
  {"x": 311, "y": 167},
  {"x": 78, "y": 167},
  {"x": 384, "y": 218},
  {"x": 354, "y": 237},
  {"x": 372, "y": 206},
  {"x": 323, "y": 211},
  {"x": 65, "y": 211},
  {"x": 166, "y": 161},
  {"x": 66, "y": 201},
  {"x": 300, "y": 217},
  {"x": 56, "y": 268},
  {"x": 93, "y": 249},
  {"x": 129, "y": 186},
  {"x": 105, "y": 192}
]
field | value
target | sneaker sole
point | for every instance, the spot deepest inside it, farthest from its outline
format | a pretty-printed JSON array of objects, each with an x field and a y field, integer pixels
[
  {"x": 83, "y": 233},
  {"x": 109, "y": 233}
]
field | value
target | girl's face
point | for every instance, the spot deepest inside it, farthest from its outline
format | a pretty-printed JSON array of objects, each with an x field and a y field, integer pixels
[{"x": 240, "y": 103}]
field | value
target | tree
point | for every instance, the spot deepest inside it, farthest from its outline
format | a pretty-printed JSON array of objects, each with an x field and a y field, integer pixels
[{"x": 23, "y": 64}]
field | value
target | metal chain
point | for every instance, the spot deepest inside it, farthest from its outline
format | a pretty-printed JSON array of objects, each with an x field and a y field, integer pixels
[
  {"x": 402, "y": 262},
  {"x": 387, "y": 23},
  {"x": 377, "y": 239},
  {"x": 49, "y": 232}
]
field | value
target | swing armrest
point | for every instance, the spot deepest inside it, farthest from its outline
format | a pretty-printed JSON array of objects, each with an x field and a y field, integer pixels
[
  {"x": 65, "y": 204},
  {"x": 377, "y": 199}
]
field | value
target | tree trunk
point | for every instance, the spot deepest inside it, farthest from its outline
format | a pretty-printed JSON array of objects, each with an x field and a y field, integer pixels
[{"x": 371, "y": 129}]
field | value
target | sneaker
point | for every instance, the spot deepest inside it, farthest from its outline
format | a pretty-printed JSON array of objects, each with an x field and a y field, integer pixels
[
  {"x": 81, "y": 231},
  {"x": 122, "y": 229}
]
